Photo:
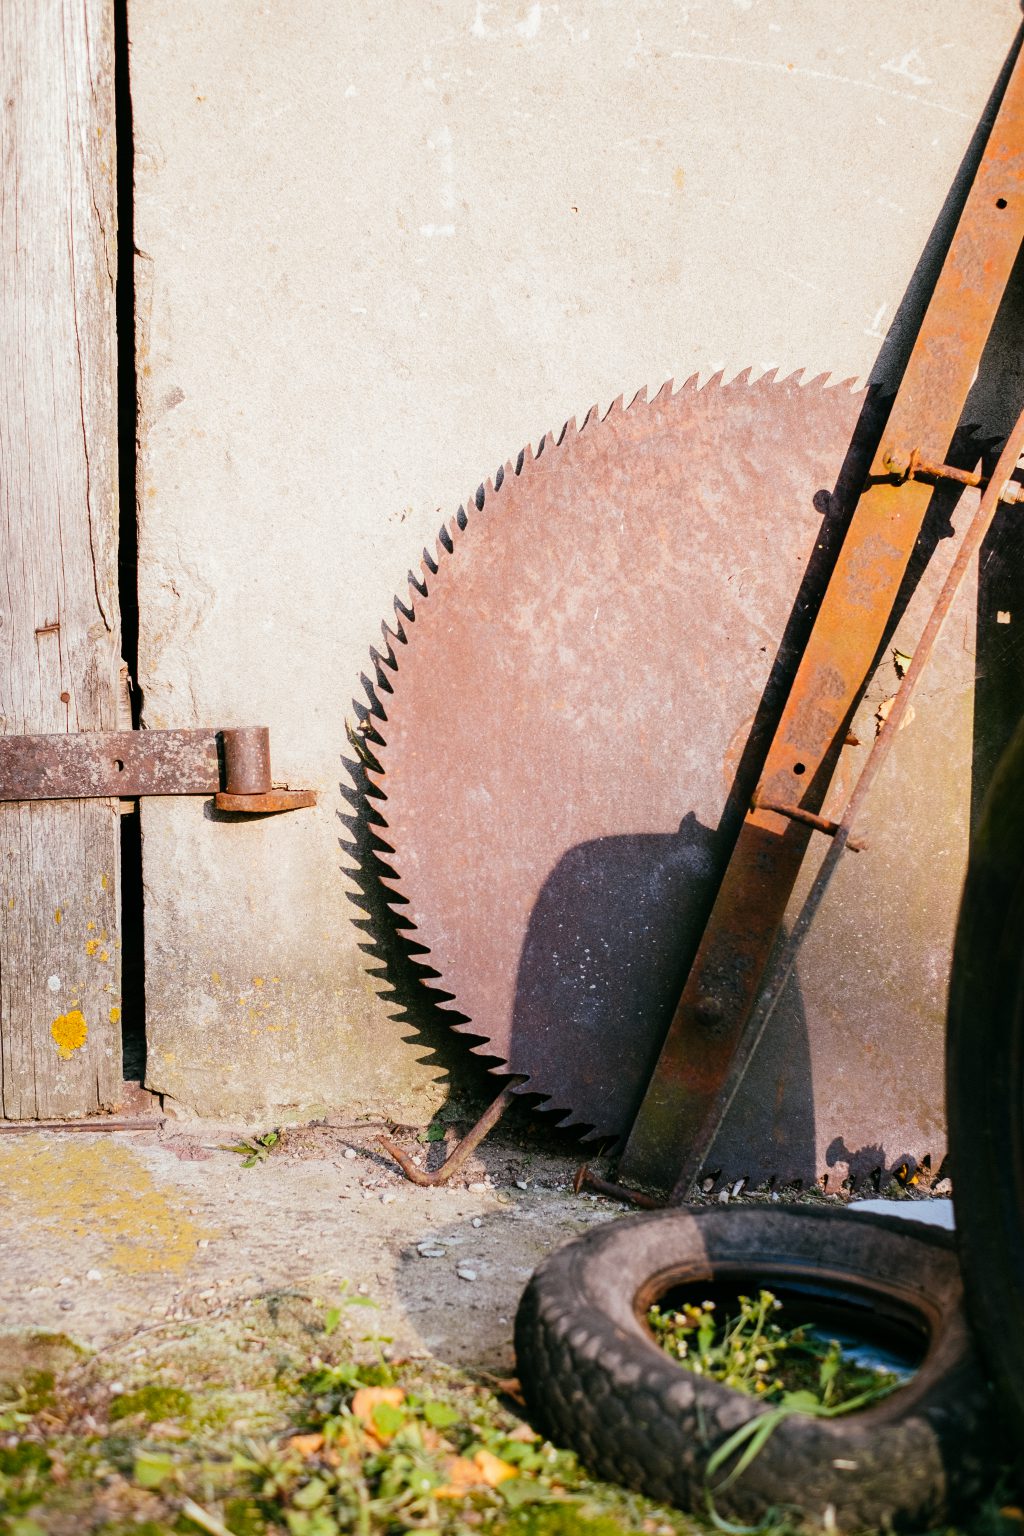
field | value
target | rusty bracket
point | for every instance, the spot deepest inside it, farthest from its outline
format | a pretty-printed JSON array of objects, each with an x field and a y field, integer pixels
[
  {"x": 231, "y": 764},
  {"x": 914, "y": 466}
]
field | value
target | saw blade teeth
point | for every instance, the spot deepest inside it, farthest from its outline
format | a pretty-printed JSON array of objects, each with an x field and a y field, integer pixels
[
  {"x": 819, "y": 381},
  {"x": 742, "y": 379},
  {"x": 388, "y": 654},
  {"x": 379, "y": 663},
  {"x": 615, "y": 408},
  {"x": 591, "y": 418},
  {"x": 714, "y": 381},
  {"x": 640, "y": 398},
  {"x": 445, "y": 540},
  {"x": 430, "y": 565},
  {"x": 526, "y": 460},
  {"x": 392, "y": 637},
  {"x": 417, "y": 583},
  {"x": 665, "y": 393}
]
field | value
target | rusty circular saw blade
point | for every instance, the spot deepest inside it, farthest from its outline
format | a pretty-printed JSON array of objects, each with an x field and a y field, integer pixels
[{"x": 568, "y": 712}]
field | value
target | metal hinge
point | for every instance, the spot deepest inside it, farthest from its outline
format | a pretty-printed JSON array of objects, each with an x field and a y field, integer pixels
[{"x": 232, "y": 764}]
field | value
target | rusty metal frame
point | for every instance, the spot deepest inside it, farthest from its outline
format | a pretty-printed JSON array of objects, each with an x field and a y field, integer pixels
[
  {"x": 232, "y": 764},
  {"x": 708, "y": 1028}
]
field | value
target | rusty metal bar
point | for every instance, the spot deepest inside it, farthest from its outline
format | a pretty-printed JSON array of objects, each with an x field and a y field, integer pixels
[
  {"x": 726, "y": 977},
  {"x": 96, "y": 1125},
  {"x": 586, "y": 1179},
  {"x": 970, "y": 546},
  {"x": 89, "y": 765},
  {"x": 96, "y": 764},
  {"x": 460, "y": 1157}
]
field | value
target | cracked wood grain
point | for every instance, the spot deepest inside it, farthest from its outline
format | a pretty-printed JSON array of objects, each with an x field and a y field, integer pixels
[{"x": 60, "y": 1052}]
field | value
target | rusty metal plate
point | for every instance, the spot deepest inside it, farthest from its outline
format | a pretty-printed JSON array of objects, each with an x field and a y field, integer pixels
[
  {"x": 566, "y": 758},
  {"x": 574, "y": 724},
  {"x": 87, "y": 764}
]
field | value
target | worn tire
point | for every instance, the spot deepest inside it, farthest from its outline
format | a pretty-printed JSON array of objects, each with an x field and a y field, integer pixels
[
  {"x": 985, "y": 1082},
  {"x": 597, "y": 1381}
]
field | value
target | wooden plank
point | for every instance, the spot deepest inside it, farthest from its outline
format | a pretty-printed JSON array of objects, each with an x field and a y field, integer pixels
[{"x": 60, "y": 1052}]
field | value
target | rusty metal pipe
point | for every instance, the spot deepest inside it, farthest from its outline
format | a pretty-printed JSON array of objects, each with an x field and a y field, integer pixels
[{"x": 246, "y": 760}]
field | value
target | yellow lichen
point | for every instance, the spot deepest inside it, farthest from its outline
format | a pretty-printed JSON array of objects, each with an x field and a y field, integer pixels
[
  {"x": 70, "y": 1031},
  {"x": 115, "y": 1015},
  {"x": 91, "y": 946},
  {"x": 96, "y": 1192},
  {"x": 56, "y": 916},
  {"x": 90, "y": 926}
]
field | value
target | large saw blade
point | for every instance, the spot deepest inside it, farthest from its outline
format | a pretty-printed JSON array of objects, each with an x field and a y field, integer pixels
[{"x": 576, "y": 717}]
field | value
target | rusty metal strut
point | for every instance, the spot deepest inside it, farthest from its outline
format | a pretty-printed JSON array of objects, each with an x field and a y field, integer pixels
[{"x": 720, "y": 993}]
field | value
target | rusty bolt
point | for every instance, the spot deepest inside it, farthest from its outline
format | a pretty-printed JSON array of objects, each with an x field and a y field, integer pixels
[{"x": 710, "y": 1013}]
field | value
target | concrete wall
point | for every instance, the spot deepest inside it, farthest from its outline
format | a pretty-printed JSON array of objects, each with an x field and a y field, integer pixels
[{"x": 381, "y": 247}]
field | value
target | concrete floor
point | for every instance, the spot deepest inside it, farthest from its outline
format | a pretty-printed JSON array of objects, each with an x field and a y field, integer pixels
[{"x": 107, "y": 1234}]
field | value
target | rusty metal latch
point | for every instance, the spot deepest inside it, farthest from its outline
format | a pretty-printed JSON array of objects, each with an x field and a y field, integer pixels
[{"x": 231, "y": 764}]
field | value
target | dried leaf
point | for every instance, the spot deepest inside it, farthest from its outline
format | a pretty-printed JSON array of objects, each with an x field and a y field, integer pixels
[
  {"x": 884, "y": 710},
  {"x": 306, "y": 1445},
  {"x": 462, "y": 1476},
  {"x": 369, "y": 1398},
  {"x": 901, "y": 661},
  {"x": 483, "y": 1470},
  {"x": 492, "y": 1469}
]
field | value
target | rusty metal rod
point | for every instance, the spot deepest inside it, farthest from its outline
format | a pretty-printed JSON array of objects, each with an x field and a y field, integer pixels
[
  {"x": 457, "y": 1159},
  {"x": 24, "y": 1127},
  {"x": 970, "y": 545},
  {"x": 586, "y": 1180},
  {"x": 913, "y": 466},
  {"x": 809, "y": 819}
]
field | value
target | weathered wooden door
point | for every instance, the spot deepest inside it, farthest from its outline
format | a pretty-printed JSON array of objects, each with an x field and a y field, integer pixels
[{"x": 60, "y": 1050}]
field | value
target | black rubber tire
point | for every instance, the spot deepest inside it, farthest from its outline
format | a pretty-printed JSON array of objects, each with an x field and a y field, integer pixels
[
  {"x": 985, "y": 1082},
  {"x": 597, "y": 1381}
]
